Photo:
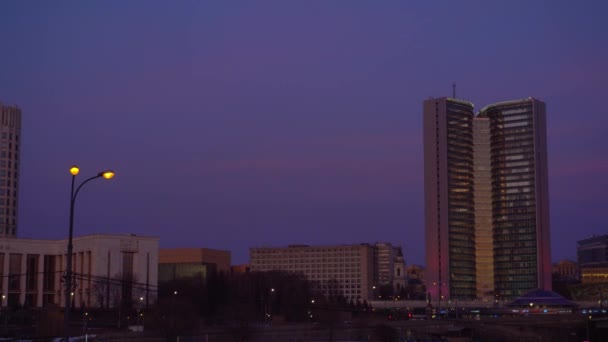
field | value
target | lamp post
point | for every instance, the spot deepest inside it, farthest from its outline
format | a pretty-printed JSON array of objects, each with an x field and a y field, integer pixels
[{"x": 74, "y": 171}]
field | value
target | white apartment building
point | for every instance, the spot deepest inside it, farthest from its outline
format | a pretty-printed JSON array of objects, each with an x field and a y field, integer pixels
[
  {"x": 108, "y": 270},
  {"x": 343, "y": 269}
]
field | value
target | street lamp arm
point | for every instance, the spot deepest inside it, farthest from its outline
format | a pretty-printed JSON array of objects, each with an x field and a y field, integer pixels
[{"x": 83, "y": 183}]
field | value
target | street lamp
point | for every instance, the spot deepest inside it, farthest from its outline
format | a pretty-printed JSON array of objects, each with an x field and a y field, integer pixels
[{"x": 74, "y": 171}]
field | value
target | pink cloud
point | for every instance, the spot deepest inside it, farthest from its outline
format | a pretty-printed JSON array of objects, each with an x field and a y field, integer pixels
[
  {"x": 405, "y": 140},
  {"x": 580, "y": 167}
]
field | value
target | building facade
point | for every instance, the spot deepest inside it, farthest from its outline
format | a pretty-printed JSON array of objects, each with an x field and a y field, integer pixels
[
  {"x": 385, "y": 256},
  {"x": 482, "y": 197},
  {"x": 566, "y": 270},
  {"x": 593, "y": 252},
  {"x": 346, "y": 270},
  {"x": 240, "y": 269},
  {"x": 448, "y": 182},
  {"x": 416, "y": 272},
  {"x": 520, "y": 196},
  {"x": 189, "y": 262},
  {"x": 399, "y": 273},
  {"x": 109, "y": 270},
  {"x": 486, "y": 199},
  {"x": 592, "y": 255},
  {"x": 10, "y": 142}
]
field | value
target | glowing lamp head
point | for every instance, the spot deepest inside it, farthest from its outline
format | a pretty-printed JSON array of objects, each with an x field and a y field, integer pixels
[
  {"x": 74, "y": 170},
  {"x": 108, "y": 174}
]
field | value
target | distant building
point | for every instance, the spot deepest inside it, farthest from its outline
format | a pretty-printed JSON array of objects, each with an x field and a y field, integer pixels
[
  {"x": 189, "y": 262},
  {"x": 593, "y": 252},
  {"x": 346, "y": 270},
  {"x": 486, "y": 199},
  {"x": 415, "y": 272},
  {"x": 109, "y": 270},
  {"x": 384, "y": 263},
  {"x": 415, "y": 288},
  {"x": 593, "y": 259},
  {"x": 399, "y": 273},
  {"x": 593, "y": 275},
  {"x": 10, "y": 143},
  {"x": 240, "y": 269},
  {"x": 566, "y": 270}
]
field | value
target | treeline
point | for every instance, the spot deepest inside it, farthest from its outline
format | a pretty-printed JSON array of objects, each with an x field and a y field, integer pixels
[{"x": 242, "y": 299}]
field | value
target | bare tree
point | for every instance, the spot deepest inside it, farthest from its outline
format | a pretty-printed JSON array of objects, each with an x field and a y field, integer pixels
[{"x": 100, "y": 291}]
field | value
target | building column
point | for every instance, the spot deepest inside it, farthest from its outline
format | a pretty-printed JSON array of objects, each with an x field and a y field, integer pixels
[
  {"x": 22, "y": 283},
  {"x": 78, "y": 280},
  {"x": 60, "y": 281},
  {"x": 4, "y": 299},
  {"x": 40, "y": 281},
  {"x": 86, "y": 278}
]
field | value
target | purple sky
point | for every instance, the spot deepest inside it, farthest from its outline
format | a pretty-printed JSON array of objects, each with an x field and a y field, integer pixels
[{"x": 255, "y": 123}]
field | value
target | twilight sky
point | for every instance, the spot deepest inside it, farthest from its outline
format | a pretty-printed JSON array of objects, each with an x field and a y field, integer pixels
[{"x": 233, "y": 124}]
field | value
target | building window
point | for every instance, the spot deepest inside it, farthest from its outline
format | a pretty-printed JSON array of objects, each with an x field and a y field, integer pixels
[
  {"x": 14, "y": 271},
  {"x": 48, "y": 282},
  {"x": 127, "y": 278},
  {"x": 31, "y": 273}
]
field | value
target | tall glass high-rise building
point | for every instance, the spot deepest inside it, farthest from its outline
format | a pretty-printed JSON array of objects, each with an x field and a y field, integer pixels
[
  {"x": 486, "y": 199},
  {"x": 449, "y": 206},
  {"x": 10, "y": 130}
]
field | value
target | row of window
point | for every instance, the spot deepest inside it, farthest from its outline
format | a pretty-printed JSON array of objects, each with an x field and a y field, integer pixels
[
  {"x": 9, "y": 136},
  {"x": 299, "y": 253},
  {"x": 305, "y": 264},
  {"x": 9, "y": 155}
]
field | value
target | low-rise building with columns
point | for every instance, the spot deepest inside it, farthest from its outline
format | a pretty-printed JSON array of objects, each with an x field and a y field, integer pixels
[{"x": 109, "y": 270}]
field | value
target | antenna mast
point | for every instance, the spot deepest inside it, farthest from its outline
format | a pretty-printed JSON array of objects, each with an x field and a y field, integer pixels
[{"x": 454, "y": 90}]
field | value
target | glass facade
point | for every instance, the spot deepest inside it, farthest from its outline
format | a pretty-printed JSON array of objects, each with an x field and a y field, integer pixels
[
  {"x": 172, "y": 271},
  {"x": 461, "y": 216},
  {"x": 486, "y": 199},
  {"x": 514, "y": 208},
  {"x": 593, "y": 252}
]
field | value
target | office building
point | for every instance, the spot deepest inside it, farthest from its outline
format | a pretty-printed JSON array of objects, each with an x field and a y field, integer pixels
[
  {"x": 109, "y": 271},
  {"x": 486, "y": 199},
  {"x": 10, "y": 131},
  {"x": 346, "y": 270},
  {"x": 592, "y": 254},
  {"x": 520, "y": 196},
  {"x": 177, "y": 263},
  {"x": 448, "y": 182},
  {"x": 593, "y": 251}
]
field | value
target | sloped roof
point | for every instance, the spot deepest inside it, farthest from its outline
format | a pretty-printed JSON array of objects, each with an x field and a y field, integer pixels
[{"x": 542, "y": 298}]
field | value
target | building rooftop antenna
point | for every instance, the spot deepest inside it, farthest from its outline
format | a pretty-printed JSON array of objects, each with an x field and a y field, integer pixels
[{"x": 454, "y": 90}]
